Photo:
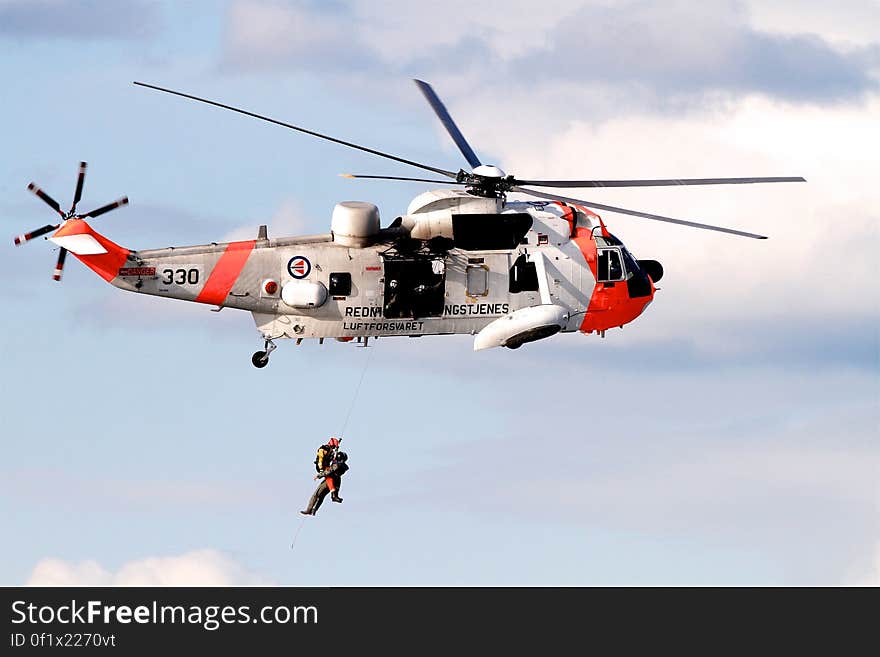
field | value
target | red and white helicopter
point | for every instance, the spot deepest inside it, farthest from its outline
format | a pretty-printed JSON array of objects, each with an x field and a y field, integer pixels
[{"x": 460, "y": 260}]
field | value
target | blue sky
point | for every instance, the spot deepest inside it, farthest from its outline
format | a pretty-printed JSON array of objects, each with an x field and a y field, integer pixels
[{"x": 728, "y": 436}]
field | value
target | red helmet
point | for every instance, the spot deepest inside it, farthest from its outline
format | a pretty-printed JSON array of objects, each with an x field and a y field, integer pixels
[{"x": 333, "y": 442}]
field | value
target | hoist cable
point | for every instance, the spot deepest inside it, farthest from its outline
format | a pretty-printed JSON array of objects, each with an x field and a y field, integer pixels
[
  {"x": 356, "y": 392},
  {"x": 298, "y": 530}
]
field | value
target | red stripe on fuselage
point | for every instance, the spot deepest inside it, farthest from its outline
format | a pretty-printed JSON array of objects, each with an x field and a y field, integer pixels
[
  {"x": 569, "y": 215},
  {"x": 225, "y": 272}
]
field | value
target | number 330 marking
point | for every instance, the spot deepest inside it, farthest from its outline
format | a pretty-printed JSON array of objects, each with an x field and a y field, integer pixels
[{"x": 180, "y": 276}]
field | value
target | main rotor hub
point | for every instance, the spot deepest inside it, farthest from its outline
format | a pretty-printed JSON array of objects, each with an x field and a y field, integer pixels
[
  {"x": 489, "y": 171},
  {"x": 486, "y": 180}
]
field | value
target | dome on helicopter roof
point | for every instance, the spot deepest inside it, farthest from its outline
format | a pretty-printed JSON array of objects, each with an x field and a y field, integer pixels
[{"x": 354, "y": 223}]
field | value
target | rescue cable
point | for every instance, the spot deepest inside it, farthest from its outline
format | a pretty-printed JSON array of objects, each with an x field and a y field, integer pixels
[
  {"x": 298, "y": 530},
  {"x": 356, "y": 392}
]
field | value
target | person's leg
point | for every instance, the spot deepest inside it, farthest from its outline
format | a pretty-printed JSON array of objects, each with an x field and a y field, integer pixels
[
  {"x": 337, "y": 484},
  {"x": 320, "y": 494},
  {"x": 315, "y": 500}
]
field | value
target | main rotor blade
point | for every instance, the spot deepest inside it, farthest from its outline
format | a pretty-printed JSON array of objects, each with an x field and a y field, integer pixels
[
  {"x": 21, "y": 239},
  {"x": 80, "y": 179},
  {"x": 658, "y": 183},
  {"x": 59, "y": 266},
  {"x": 51, "y": 202},
  {"x": 635, "y": 213},
  {"x": 442, "y": 172},
  {"x": 446, "y": 119},
  {"x": 107, "y": 208},
  {"x": 427, "y": 180}
]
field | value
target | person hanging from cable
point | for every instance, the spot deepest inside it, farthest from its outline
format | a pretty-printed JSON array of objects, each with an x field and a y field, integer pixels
[
  {"x": 331, "y": 480},
  {"x": 330, "y": 463},
  {"x": 324, "y": 460}
]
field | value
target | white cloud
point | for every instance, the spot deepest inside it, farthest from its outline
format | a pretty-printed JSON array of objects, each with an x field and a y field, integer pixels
[
  {"x": 623, "y": 45},
  {"x": 196, "y": 568},
  {"x": 271, "y": 34},
  {"x": 853, "y": 22},
  {"x": 819, "y": 259},
  {"x": 403, "y": 29}
]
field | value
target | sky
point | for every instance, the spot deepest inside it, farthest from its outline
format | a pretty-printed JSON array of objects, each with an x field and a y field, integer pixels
[{"x": 729, "y": 436}]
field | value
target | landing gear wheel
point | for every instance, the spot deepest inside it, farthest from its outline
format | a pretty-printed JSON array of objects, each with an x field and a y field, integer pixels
[{"x": 261, "y": 358}]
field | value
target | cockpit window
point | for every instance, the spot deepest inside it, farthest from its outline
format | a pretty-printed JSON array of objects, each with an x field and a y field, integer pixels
[
  {"x": 630, "y": 262},
  {"x": 609, "y": 267}
]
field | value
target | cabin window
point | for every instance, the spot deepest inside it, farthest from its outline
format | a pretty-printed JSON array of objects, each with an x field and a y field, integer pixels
[
  {"x": 477, "y": 280},
  {"x": 340, "y": 284},
  {"x": 608, "y": 267},
  {"x": 523, "y": 276}
]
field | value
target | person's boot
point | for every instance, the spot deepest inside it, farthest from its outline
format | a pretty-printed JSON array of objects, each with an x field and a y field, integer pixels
[
  {"x": 308, "y": 512},
  {"x": 334, "y": 496}
]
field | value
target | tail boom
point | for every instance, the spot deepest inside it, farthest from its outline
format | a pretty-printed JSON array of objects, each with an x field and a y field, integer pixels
[{"x": 95, "y": 251}]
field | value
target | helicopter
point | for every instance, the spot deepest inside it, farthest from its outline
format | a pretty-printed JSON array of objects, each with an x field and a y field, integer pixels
[{"x": 462, "y": 259}]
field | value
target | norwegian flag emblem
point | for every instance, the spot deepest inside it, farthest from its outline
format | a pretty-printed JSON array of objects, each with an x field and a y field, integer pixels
[{"x": 299, "y": 267}]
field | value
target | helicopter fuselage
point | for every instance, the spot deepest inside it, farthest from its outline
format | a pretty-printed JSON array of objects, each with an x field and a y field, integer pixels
[{"x": 315, "y": 287}]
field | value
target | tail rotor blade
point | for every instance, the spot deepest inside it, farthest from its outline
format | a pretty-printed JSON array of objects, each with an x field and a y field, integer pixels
[
  {"x": 21, "y": 239},
  {"x": 77, "y": 195},
  {"x": 51, "y": 202},
  {"x": 106, "y": 208},
  {"x": 59, "y": 266}
]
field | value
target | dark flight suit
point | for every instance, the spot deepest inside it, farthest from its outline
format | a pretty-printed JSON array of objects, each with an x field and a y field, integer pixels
[{"x": 334, "y": 473}]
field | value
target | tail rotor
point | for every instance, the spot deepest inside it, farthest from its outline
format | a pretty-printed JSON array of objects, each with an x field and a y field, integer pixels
[{"x": 66, "y": 216}]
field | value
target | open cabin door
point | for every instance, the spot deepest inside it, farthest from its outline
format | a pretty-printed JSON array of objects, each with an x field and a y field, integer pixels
[{"x": 415, "y": 286}]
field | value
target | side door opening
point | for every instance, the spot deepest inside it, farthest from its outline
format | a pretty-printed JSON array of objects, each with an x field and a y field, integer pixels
[{"x": 415, "y": 286}]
